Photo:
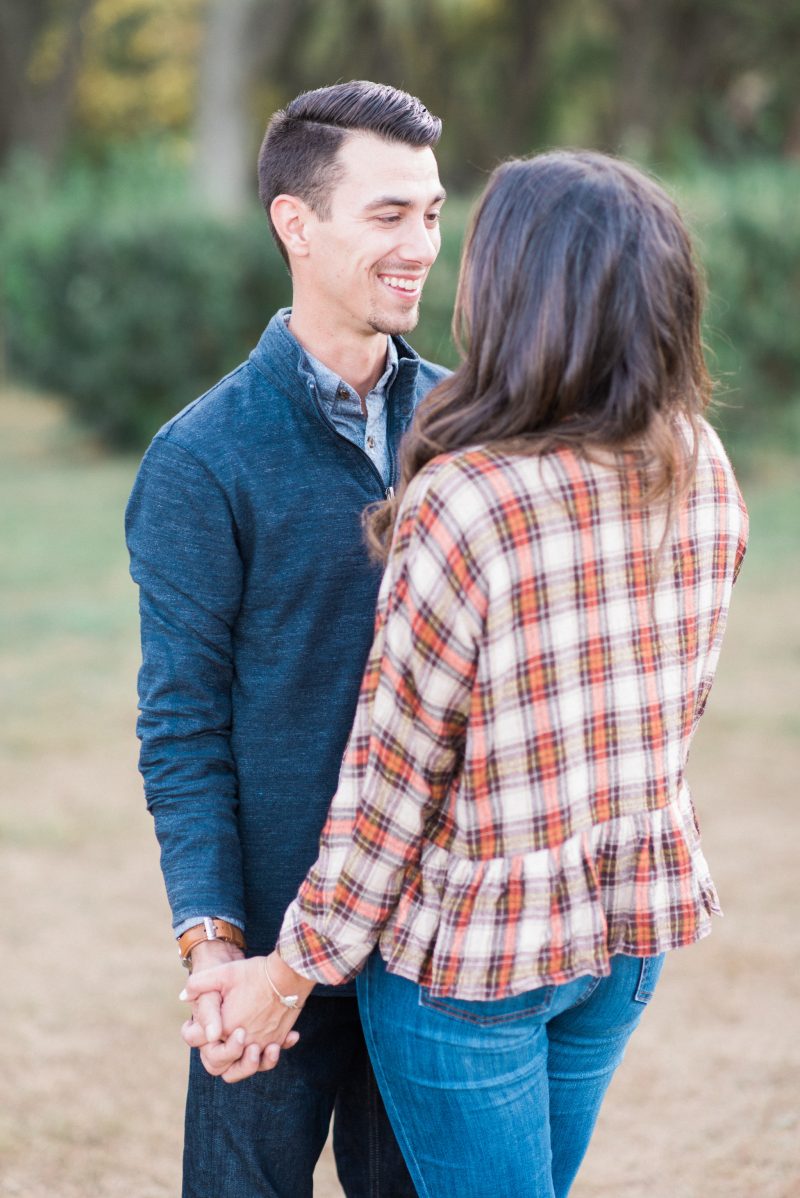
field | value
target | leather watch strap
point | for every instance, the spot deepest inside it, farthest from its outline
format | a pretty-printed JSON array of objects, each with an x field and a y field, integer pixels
[{"x": 209, "y": 929}]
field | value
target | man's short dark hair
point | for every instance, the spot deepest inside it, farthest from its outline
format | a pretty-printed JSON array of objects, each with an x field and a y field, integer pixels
[{"x": 298, "y": 154}]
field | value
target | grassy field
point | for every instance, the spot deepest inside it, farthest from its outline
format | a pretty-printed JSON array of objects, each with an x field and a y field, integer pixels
[{"x": 91, "y": 1085}]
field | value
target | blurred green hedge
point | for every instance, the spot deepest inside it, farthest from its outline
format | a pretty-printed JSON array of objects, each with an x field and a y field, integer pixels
[
  {"x": 123, "y": 297},
  {"x": 120, "y": 294},
  {"x": 744, "y": 220}
]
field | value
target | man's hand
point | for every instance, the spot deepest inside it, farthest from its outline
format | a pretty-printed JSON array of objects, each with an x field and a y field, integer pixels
[
  {"x": 247, "y": 1002},
  {"x": 206, "y": 1009},
  {"x": 219, "y": 1055},
  {"x": 203, "y": 1029}
]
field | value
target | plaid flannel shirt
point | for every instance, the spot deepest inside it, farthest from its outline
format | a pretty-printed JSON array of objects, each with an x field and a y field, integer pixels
[{"x": 512, "y": 808}]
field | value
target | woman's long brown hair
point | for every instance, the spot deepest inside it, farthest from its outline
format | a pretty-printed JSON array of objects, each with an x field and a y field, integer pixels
[{"x": 577, "y": 319}]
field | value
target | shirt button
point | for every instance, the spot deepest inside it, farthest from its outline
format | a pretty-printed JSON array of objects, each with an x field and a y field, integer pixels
[
  {"x": 342, "y": 393},
  {"x": 371, "y": 442}
]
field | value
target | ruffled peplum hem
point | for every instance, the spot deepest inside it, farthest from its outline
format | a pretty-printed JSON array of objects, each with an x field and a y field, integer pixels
[{"x": 483, "y": 929}]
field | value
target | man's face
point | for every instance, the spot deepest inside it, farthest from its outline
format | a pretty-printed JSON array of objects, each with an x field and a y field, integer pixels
[{"x": 368, "y": 262}]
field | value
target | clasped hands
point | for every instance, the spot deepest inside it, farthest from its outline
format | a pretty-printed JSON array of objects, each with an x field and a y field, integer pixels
[{"x": 238, "y": 1022}]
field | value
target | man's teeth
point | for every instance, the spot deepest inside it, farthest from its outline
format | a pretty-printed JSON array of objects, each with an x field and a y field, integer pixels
[{"x": 403, "y": 284}]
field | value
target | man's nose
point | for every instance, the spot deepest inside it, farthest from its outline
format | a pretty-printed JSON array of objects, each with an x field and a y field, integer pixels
[{"x": 421, "y": 244}]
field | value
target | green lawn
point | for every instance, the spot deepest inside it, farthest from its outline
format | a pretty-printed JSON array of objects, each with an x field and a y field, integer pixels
[{"x": 68, "y": 616}]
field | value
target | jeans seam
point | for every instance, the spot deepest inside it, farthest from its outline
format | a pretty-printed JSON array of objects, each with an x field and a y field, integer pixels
[
  {"x": 210, "y": 1141},
  {"x": 585, "y": 997},
  {"x": 373, "y": 1148},
  {"x": 645, "y": 989},
  {"x": 214, "y": 1105}
]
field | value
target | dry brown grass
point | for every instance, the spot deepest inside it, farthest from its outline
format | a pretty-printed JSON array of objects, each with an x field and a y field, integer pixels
[{"x": 91, "y": 1084}]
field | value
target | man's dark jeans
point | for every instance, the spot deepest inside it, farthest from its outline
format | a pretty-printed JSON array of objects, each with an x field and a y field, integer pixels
[{"x": 261, "y": 1138}]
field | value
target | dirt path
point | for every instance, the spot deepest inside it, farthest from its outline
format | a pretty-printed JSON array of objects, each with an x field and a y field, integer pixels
[{"x": 91, "y": 1088}]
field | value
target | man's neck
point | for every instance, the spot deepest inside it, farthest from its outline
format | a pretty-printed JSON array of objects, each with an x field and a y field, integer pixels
[{"x": 359, "y": 361}]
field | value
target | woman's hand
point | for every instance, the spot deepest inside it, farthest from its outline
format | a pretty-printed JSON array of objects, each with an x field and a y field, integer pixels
[
  {"x": 249, "y": 1005},
  {"x": 219, "y": 1055}
]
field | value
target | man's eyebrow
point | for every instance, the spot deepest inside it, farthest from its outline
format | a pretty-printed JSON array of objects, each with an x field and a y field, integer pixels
[{"x": 389, "y": 201}]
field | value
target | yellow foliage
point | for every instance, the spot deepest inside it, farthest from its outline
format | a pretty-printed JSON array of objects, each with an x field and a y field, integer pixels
[
  {"x": 47, "y": 54},
  {"x": 140, "y": 66}
]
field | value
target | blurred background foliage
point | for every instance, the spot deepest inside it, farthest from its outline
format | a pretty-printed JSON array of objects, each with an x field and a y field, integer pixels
[{"x": 137, "y": 268}]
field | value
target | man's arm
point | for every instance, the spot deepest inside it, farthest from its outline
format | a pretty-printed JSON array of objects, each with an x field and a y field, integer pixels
[{"x": 184, "y": 556}]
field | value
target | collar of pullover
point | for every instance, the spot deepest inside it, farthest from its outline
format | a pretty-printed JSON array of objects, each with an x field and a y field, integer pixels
[{"x": 282, "y": 360}]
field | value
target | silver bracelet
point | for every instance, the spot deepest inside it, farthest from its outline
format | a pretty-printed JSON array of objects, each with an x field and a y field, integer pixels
[{"x": 292, "y": 1001}]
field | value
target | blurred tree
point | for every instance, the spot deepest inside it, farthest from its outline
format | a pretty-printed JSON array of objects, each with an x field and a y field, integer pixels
[
  {"x": 718, "y": 74},
  {"x": 139, "y": 74},
  {"x": 244, "y": 39},
  {"x": 222, "y": 126},
  {"x": 638, "y": 110},
  {"x": 40, "y": 54},
  {"x": 663, "y": 80}
]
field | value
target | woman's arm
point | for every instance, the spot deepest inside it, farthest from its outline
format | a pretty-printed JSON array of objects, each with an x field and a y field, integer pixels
[{"x": 407, "y": 741}]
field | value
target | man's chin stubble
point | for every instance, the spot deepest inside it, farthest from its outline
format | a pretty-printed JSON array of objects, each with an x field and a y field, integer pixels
[{"x": 394, "y": 326}]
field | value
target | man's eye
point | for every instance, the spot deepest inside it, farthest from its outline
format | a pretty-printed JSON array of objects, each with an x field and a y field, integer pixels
[
  {"x": 389, "y": 220},
  {"x": 433, "y": 217}
]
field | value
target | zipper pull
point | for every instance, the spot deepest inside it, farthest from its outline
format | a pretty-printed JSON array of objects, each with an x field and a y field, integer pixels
[{"x": 390, "y": 492}]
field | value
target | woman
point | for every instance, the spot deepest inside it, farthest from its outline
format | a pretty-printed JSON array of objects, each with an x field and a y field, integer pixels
[{"x": 512, "y": 826}]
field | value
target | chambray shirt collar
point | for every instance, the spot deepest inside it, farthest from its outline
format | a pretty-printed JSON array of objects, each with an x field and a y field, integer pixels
[
  {"x": 280, "y": 359},
  {"x": 342, "y": 397},
  {"x": 365, "y": 424},
  {"x": 337, "y": 396}
]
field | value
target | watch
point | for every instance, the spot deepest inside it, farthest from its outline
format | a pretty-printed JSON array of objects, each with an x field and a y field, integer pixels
[{"x": 209, "y": 929}]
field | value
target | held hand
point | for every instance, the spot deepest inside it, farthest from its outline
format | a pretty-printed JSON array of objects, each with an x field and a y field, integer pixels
[
  {"x": 219, "y": 1055},
  {"x": 206, "y": 1011},
  {"x": 203, "y": 1030},
  {"x": 248, "y": 1001}
]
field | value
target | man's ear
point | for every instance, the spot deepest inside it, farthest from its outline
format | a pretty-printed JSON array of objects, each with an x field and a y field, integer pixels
[{"x": 290, "y": 216}]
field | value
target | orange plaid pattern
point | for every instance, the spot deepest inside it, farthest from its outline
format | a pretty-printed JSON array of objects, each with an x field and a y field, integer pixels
[{"x": 512, "y": 808}]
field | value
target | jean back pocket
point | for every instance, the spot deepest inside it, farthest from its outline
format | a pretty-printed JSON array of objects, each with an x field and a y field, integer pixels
[{"x": 491, "y": 1012}]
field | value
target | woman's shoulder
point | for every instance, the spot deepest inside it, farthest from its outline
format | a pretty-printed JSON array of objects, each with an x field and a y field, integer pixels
[
  {"x": 715, "y": 473},
  {"x": 460, "y": 464},
  {"x": 450, "y": 502},
  {"x": 475, "y": 468},
  {"x": 475, "y": 491}
]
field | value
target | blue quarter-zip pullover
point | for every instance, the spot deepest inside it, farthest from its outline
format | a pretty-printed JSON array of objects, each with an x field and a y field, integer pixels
[{"x": 257, "y": 602}]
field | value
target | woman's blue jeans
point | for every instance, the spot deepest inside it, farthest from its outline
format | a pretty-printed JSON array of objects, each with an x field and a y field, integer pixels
[{"x": 499, "y": 1097}]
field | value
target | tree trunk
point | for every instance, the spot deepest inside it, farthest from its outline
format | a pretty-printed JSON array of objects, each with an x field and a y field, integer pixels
[
  {"x": 37, "y": 113},
  {"x": 224, "y": 174},
  {"x": 636, "y": 124},
  {"x": 527, "y": 72}
]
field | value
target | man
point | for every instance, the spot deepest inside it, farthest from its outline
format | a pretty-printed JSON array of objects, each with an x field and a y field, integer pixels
[{"x": 257, "y": 603}]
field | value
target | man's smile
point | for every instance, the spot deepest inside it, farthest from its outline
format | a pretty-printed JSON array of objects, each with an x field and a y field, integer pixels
[{"x": 409, "y": 288}]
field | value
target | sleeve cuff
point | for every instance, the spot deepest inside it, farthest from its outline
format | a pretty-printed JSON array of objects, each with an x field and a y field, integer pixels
[
  {"x": 314, "y": 956},
  {"x": 193, "y": 920}
]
